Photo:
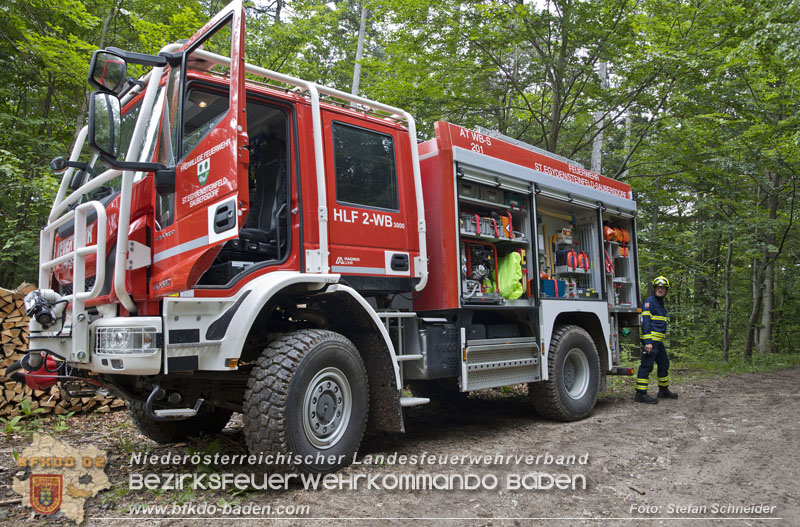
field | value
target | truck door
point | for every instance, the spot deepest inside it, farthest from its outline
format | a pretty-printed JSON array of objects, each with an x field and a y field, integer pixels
[
  {"x": 371, "y": 207},
  {"x": 204, "y": 135}
]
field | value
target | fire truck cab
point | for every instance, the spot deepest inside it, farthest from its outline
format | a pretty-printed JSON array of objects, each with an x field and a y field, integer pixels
[{"x": 232, "y": 239}]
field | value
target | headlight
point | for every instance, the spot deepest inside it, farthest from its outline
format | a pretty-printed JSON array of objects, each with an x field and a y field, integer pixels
[{"x": 125, "y": 341}]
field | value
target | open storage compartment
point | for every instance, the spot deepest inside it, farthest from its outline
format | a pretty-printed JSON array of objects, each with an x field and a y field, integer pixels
[
  {"x": 620, "y": 256},
  {"x": 568, "y": 251},
  {"x": 494, "y": 229}
]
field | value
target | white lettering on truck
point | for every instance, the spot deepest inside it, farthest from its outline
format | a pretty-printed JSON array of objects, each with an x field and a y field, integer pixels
[{"x": 377, "y": 219}]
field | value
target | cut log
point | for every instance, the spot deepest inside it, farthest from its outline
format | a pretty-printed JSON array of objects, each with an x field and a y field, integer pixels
[{"x": 25, "y": 288}]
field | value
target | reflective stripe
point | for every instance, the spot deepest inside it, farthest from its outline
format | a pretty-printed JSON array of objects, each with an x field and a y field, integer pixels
[
  {"x": 646, "y": 313},
  {"x": 658, "y": 317},
  {"x": 645, "y": 336},
  {"x": 180, "y": 249},
  {"x": 657, "y": 339}
]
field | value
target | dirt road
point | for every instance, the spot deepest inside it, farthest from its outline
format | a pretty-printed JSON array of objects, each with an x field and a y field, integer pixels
[{"x": 726, "y": 444}]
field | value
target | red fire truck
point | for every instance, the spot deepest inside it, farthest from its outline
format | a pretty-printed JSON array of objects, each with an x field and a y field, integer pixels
[{"x": 232, "y": 239}]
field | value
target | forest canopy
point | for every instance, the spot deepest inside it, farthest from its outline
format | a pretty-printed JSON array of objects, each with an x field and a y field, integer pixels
[{"x": 693, "y": 103}]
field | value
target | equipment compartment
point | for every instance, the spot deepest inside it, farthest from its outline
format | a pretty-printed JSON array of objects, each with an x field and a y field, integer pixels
[
  {"x": 569, "y": 263},
  {"x": 492, "y": 228},
  {"x": 619, "y": 252}
]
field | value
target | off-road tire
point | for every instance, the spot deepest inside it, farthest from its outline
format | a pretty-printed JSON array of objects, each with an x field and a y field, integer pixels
[
  {"x": 552, "y": 398},
  {"x": 279, "y": 411},
  {"x": 207, "y": 421}
]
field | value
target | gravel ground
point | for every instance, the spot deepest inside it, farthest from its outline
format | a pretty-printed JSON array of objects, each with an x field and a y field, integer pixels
[{"x": 727, "y": 442}]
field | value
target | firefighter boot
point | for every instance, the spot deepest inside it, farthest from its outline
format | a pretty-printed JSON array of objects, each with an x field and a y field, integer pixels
[
  {"x": 642, "y": 397},
  {"x": 664, "y": 393}
]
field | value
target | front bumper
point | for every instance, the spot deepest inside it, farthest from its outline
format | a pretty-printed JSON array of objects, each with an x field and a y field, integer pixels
[{"x": 122, "y": 362}]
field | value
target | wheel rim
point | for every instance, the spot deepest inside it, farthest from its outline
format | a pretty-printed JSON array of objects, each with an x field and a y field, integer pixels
[
  {"x": 327, "y": 406},
  {"x": 576, "y": 373}
]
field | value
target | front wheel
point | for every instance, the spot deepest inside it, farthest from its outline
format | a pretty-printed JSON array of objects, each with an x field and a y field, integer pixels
[
  {"x": 307, "y": 397},
  {"x": 571, "y": 391}
]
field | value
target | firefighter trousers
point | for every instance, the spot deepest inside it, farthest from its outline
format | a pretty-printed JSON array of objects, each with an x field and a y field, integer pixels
[{"x": 658, "y": 356}]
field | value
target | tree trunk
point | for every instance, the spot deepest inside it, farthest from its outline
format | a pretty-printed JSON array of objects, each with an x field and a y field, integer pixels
[
  {"x": 770, "y": 255},
  {"x": 46, "y": 106},
  {"x": 84, "y": 108},
  {"x": 755, "y": 312},
  {"x": 767, "y": 302},
  {"x": 651, "y": 267},
  {"x": 726, "y": 324},
  {"x": 597, "y": 145},
  {"x": 699, "y": 286},
  {"x": 557, "y": 81},
  {"x": 359, "y": 50}
]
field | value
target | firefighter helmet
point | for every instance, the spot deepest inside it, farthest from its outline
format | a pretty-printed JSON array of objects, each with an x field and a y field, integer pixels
[{"x": 661, "y": 281}]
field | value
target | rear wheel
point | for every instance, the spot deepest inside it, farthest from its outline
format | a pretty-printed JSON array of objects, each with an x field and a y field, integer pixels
[
  {"x": 308, "y": 396},
  {"x": 573, "y": 364},
  {"x": 207, "y": 421}
]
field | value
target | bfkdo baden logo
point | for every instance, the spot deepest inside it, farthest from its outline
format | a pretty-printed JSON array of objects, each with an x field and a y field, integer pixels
[
  {"x": 60, "y": 477},
  {"x": 46, "y": 493}
]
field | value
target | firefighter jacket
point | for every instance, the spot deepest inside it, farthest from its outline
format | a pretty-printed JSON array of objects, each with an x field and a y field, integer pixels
[{"x": 654, "y": 320}]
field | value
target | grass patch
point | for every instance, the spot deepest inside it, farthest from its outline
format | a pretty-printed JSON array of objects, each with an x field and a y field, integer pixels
[
  {"x": 757, "y": 364},
  {"x": 685, "y": 370}
]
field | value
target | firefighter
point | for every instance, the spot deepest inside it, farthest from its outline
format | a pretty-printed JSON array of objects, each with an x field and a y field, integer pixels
[{"x": 654, "y": 330}]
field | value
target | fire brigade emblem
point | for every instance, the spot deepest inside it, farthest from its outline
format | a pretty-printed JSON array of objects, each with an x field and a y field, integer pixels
[
  {"x": 46, "y": 493},
  {"x": 71, "y": 476},
  {"x": 203, "y": 169}
]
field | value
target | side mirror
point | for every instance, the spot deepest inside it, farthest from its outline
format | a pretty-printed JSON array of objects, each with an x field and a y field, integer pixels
[
  {"x": 58, "y": 165},
  {"x": 105, "y": 124},
  {"x": 107, "y": 71}
]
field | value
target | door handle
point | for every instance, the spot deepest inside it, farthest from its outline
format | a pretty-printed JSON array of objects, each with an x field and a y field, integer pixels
[
  {"x": 399, "y": 262},
  {"x": 224, "y": 218}
]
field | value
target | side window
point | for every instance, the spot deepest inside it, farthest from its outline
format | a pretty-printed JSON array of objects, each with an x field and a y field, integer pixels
[
  {"x": 365, "y": 167},
  {"x": 126, "y": 129},
  {"x": 202, "y": 112},
  {"x": 169, "y": 126}
]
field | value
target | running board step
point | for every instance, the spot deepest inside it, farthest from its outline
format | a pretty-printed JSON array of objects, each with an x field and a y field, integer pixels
[
  {"x": 413, "y": 401},
  {"x": 167, "y": 413},
  {"x": 500, "y": 362}
]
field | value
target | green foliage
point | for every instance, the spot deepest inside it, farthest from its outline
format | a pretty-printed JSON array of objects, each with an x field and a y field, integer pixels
[
  {"x": 61, "y": 424},
  {"x": 11, "y": 424},
  {"x": 27, "y": 411},
  {"x": 711, "y": 92},
  {"x": 212, "y": 448}
]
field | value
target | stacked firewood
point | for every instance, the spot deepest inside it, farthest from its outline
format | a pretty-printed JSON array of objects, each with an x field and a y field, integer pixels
[{"x": 14, "y": 342}]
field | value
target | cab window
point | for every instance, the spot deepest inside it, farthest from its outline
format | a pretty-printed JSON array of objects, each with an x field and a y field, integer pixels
[
  {"x": 365, "y": 167},
  {"x": 202, "y": 112}
]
